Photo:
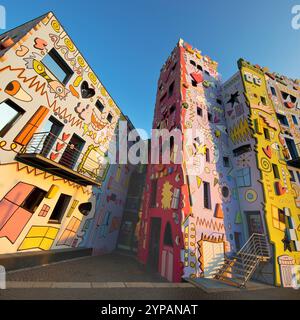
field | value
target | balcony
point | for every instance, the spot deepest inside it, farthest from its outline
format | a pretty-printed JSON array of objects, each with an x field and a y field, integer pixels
[
  {"x": 295, "y": 156},
  {"x": 47, "y": 152}
]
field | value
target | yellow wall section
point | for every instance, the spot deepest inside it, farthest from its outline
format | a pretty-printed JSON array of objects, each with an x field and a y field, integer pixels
[{"x": 265, "y": 115}]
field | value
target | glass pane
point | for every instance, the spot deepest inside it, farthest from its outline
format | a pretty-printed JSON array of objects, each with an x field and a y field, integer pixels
[
  {"x": 7, "y": 114},
  {"x": 54, "y": 68}
]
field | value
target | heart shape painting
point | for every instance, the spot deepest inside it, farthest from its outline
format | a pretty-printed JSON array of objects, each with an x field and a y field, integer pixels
[
  {"x": 53, "y": 156},
  {"x": 86, "y": 91},
  {"x": 268, "y": 151}
]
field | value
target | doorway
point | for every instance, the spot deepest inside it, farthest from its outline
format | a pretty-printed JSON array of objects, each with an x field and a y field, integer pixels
[
  {"x": 254, "y": 222},
  {"x": 51, "y": 130},
  {"x": 72, "y": 152},
  {"x": 154, "y": 243}
]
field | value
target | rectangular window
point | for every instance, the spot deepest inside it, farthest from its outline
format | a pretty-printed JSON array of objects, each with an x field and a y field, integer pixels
[
  {"x": 99, "y": 105},
  {"x": 10, "y": 113},
  {"x": 58, "y": 66},
  {"x": 207, "y": 155},
  {"x": 206, "y": 195},
  {"x": 292, "y": 175},
  {"x": 275, "y": 171},
  {"x": 171, "y": 89},
  {"x": 34, "y": 199},
  {"x": 243, "y": 177},
  {"x": 109, "y": 117},
  {"x": 226, "y": 162},
  {"x": 267, "y": 134},
  {"x": 295, "y": 120},
  {"x": 273, "y": 91},
  {"x": 175, "y": 198},
  {"x": 263, "y": 100},
  {"x": 209, "y": 117},
  {"x": 240, "y": 150},
  {"x": 281, "y": 216},
  {"x": 153, "y": 193},
  {"x": 298, "y": 175},
  {"x": 282, "y": 119},
  {"x": 199, "y": 111},
  {"x": 60, "y": 208},
  {"x": 172, "y": 109}
]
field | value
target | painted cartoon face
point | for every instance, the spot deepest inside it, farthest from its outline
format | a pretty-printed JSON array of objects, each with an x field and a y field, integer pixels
[
  {"x": 83, "y": 111},
  {"x": 96, "y": 123},
  {"x": 58, "y": 89}
]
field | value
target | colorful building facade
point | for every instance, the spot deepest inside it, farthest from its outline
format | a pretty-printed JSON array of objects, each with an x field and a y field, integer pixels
[
  {"x": 247, "y": 151},
  {"x": 57, "y": 188},
  {"x": 192, "y": 207}
]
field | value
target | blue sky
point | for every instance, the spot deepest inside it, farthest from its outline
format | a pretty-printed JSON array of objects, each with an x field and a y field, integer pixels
[{"x": 127, "y": 41}]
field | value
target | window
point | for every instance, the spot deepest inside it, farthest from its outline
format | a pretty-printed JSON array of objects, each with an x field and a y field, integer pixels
[
  {"x": 199, "y": 111},
  {"x": 240, "y": 150},
  {"x": 60, "y": 208},
  {"x": 175, "y": 198},
  {"x": 193, "y": 63},
  {"x": 153, "y": 193},
  {"x": 10, "y": 113},
  {"x": 219, "y": 101},
  {"x": 282, "y": 119},
  {"x": 199, "y": 67},
  {"x": 207, "y": 155},
  {"x": 273, "y": 91},
  {"x": 163, "y": 97},
  {"x": 267, "y": 134},
  {"x": 171, "y": 89},
  {"x": 226, "y": 162},
  {"x": 292, "y": 175},
  {"x": 209, "y": 116},
  {"x": 57, "y": 65},
  {"x": 275, "y": 171},
  {"x": 207, "y": 72},
  {"x": 109, "y": 117},
  {"x": 99, "y": 105},
  {"x": 243, "y": 177},
  {"x": 172, "y": 109},
  {"x": 194, "y": 83},
  {"x": 298, "y": 175},
  {"x": 168, "y": 241},
  {"x": 263, "y": 100},
  {"x": 281, "y": 216},
  {"x": 34, "y": 199},
  {"x": 295, "y": 120},
  {"x": 206, "y": 195}
]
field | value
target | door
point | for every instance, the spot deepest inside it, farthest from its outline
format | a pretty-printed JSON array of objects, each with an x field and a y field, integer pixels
[
  {"x": 49, "y": 133},
  {"x": 213, "y": 257},
  {"x": 154, "y": 244},
  {"x": 254, "y": 222},
  {"x": 72, "y": 152}
]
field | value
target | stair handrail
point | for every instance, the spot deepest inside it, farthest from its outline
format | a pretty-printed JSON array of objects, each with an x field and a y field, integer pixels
[{"x": 250, "y": 241}]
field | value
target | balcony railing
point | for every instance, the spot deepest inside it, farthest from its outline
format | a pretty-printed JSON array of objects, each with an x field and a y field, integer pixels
[{"x": 49, "y": 153}]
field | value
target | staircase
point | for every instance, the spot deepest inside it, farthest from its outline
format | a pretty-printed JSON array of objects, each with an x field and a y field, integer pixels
[{"x": 238, "y": 270}]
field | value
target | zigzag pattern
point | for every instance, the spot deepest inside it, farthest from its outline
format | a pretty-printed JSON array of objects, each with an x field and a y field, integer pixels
[
  {"x": 30, "y": 170},
  {"x": 211, "y": 224},
  {"x": 40, "y": 88},
  {"x": 240, "y": 132}
]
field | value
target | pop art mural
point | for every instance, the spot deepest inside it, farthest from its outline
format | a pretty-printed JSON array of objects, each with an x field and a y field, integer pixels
[
  {"x": 60, "y": 123},
  {"x": 244, "y": 177},
  {"x": 194, "y": 205}
]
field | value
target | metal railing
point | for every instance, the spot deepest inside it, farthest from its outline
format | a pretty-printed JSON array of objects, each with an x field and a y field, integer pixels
[
  {"x": 49, "y": 146},
  {"x": 241, "y": 267}
]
